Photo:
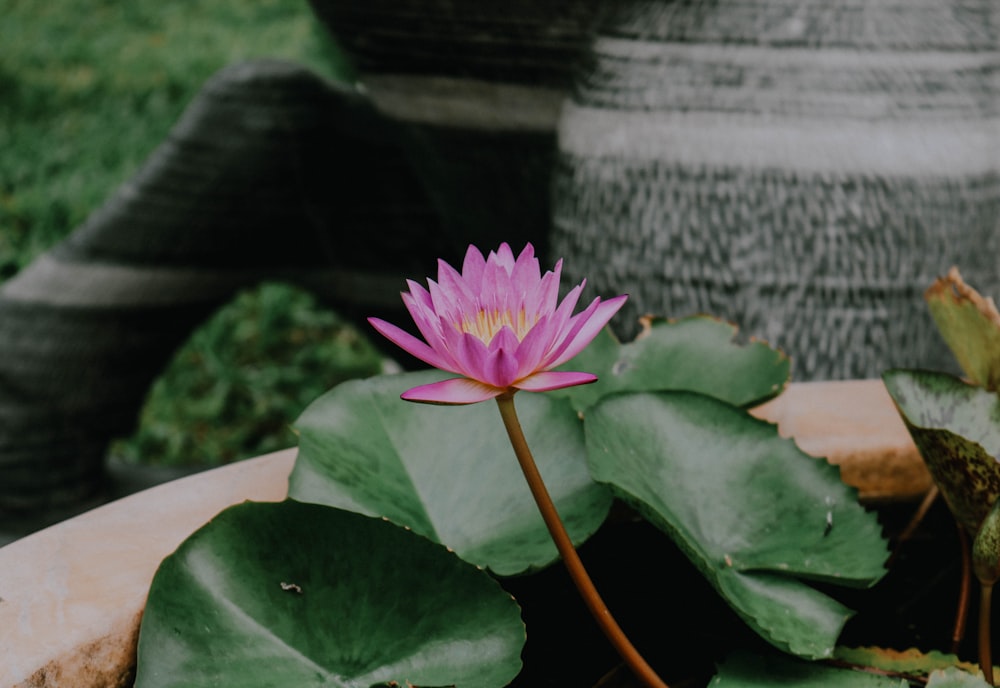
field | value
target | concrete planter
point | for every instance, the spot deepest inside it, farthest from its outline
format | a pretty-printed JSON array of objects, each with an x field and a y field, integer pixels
[{"x": 72, "y": 596}]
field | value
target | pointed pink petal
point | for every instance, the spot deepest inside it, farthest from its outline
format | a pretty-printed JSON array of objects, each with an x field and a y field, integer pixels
[
  {"x": 564, "y": 312},
  {"x": 531, "y": 351},
  {"x": 451, "y": 281},
  {"x": 472, "y": 268},
  {"x": 594, "y": 323},
  {"x": 420, "y": 294},
  {"x": 501, "y": 369},
  {"x": 554, "y": 379},
  {"x": 473, "y": 357},
  {"x": 503, "y": 257},
  {"x": 544, "y": 296},
  {"x": 418, "y": 300},
  {"x": 572, "y": 326},
  {"x": 433, "y": 329},
  {"x": 424, "y": 318},
  {"x": 410, "y": 344},
  {"x": 502, "y": 364},
  {"x": 496, "y": 288},
  {"x": 443, "y": 301},
  {"x": 504, "y": 339},
  {"x": 452, "y": 338},
  {"x": 526, "y": 273},
  {"x": 459, "y": 390}
]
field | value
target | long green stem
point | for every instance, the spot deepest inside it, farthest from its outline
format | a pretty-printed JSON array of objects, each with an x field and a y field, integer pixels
[
  {"x": 985, "y": 657},
  {"x": 571, "y": 559}
]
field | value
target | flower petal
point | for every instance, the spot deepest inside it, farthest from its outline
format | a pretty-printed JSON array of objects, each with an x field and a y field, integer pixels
[
  {"x": 472, "y": 269},
  {"x": 568, "y": 328},
  {"x": 452, "y": 282},
  {"x": 594, "y": 324},
  {"x": 473, "y": 358},
  {"x": 503, "y": 257},
  {"x": 410, "y": 344},
  {"x": 423, "y": 315},
  {"x": 554, "y": 379},
  {"x": 458, "y": 390},
  {"x": 526, "y": 273},
  {"x": 502, "y": 365},
  {"x": 531, "y": 351},
  {"x": 504, "y": 339},
  {"x": 496, "y": 289},
  {"x": 544, "y": 296},
  {"x": 444, "y": 301},
  {"x": 536, "y": 331},
  {"x": 563, "y": 314},
  {"x": 452, "y": 344}
]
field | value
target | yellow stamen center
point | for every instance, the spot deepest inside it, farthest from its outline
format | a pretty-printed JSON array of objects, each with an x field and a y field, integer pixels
[{"x": 487, "y": 323}]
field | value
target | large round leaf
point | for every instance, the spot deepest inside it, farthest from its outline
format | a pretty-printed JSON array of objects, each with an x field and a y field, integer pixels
[
  {"x": 448, "y": 472},
  {"x": 293, "y": 594},
  {"x": 696, "y": 354},
  {"x": 750, "y": 509},
  {"x": 956, "y": 427}
]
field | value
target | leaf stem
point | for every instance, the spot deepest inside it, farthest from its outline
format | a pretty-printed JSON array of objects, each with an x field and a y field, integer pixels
[
  {"x": 964, "y": 590},
  {"x": 985, "y": 658},
  {"x": 571, "y": 559}
]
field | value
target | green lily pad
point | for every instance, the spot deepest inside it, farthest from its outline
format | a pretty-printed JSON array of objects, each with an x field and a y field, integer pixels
[
  {"x": 956, "y": 427},
  {"x": 448, "y": 472},
  {"x": 744, "y": 670},
  {"x": 696, "y": 354},
  {"x": 753, "y": 512},
  {"x": 291, "y": 594},
  {"x": 970, "y": 324}
]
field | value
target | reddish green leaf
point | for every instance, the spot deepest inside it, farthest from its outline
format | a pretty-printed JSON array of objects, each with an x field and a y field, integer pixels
[{"x": 956, "y": 427}]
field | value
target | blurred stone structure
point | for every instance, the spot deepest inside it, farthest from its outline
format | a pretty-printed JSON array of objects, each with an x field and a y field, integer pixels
[{"x": 802, "y": 168}]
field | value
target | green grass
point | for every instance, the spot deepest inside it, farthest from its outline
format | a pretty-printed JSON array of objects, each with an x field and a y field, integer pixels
[
  {"x": 234, "y": 389},
  {"x": 88, "y": 88}
]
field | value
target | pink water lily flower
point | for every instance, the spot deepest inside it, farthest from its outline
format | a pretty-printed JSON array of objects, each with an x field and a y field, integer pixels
[{"x": 499, "y": 325}]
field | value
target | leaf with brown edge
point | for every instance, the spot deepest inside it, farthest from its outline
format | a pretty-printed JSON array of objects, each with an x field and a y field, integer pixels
[
  {"x": 911, "y": 662},
  {"x": 970, "y": 324}
]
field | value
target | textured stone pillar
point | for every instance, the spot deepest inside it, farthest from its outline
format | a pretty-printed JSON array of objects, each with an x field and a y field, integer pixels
[{"x": 803, "y": 168}]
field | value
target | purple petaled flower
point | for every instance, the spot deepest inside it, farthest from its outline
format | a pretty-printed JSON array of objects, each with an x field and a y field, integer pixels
[{"x": 499, "y": 325}]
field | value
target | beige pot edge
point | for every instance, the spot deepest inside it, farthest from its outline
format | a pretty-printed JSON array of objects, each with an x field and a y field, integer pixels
[{"x": 71, "y": 596}]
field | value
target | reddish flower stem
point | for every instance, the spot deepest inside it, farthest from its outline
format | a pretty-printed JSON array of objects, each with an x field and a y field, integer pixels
[
  {"x": 964, "y": 590},
  {"x": 985, "y": 658},
  {"x": 571, "y": 559}
]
